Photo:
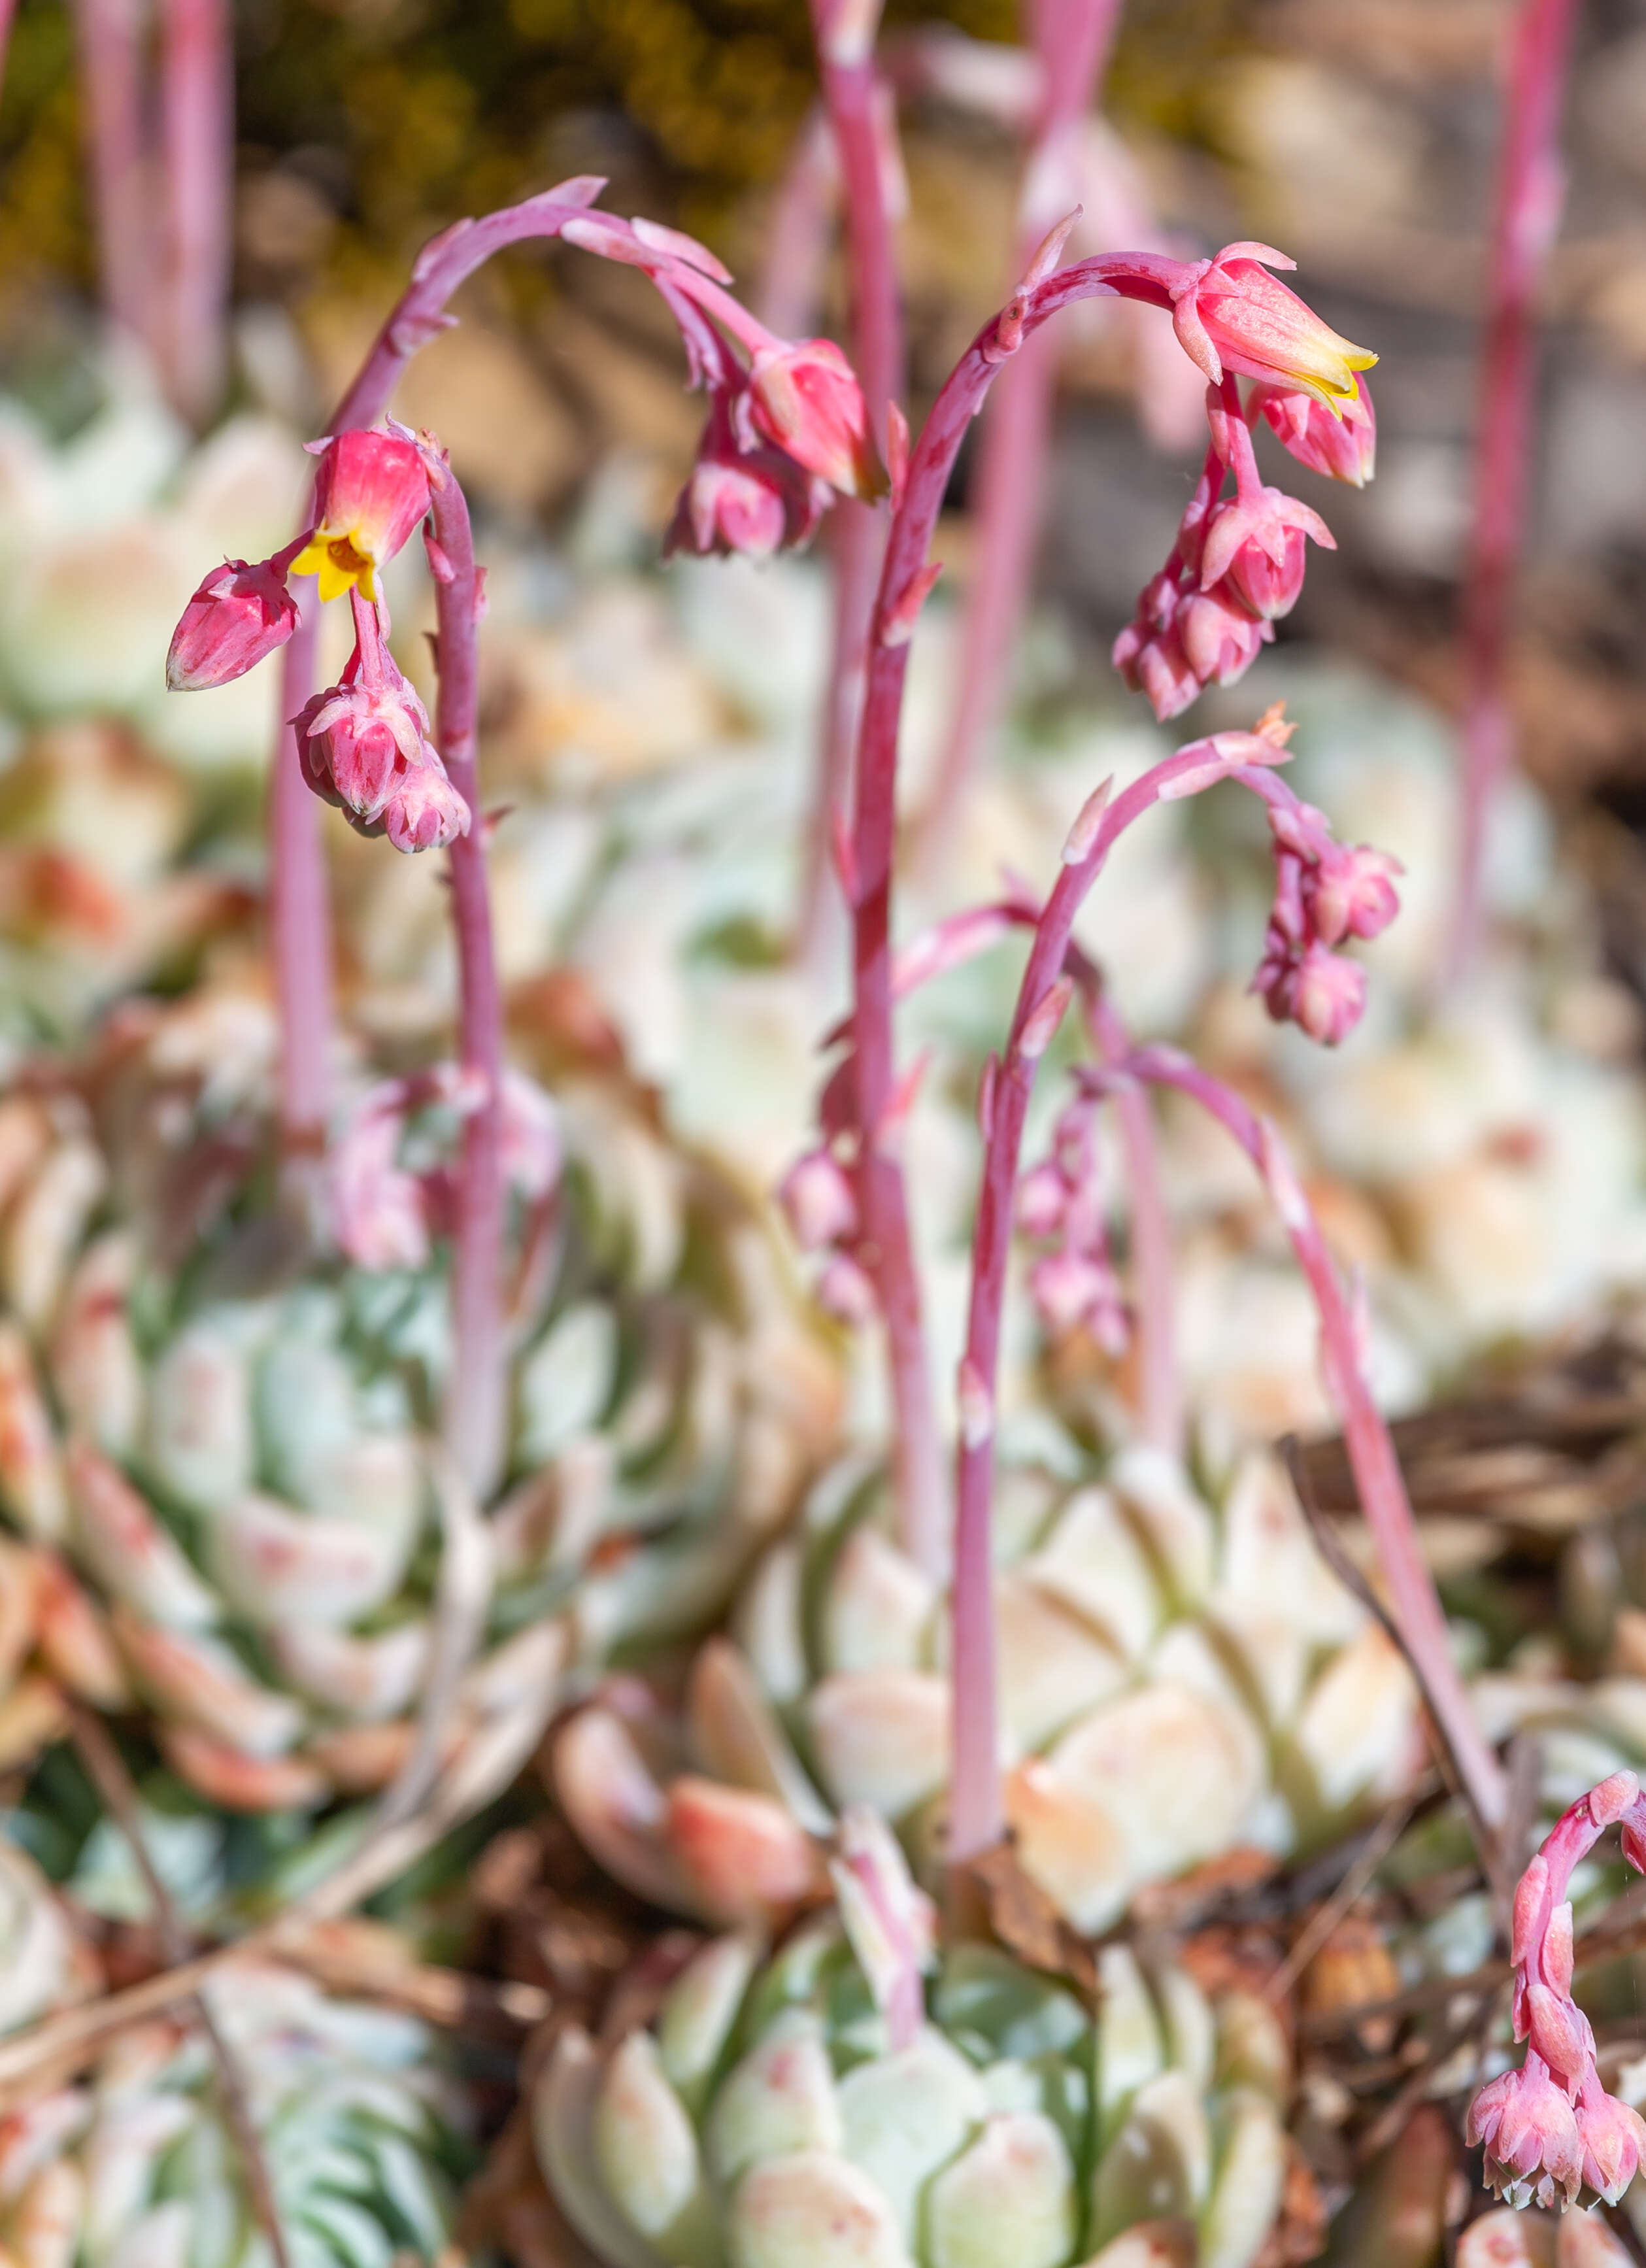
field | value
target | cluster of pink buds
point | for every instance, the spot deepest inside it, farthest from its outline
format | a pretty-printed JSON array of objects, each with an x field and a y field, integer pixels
[
  {"x": 365, "y": 749},
  {"x": 744, "y": 496},
  {"x": 1236, "y": 563},
  {"x": 1061, "y": 1202},
  {"x": 1551, "y": 2131},
  {"x": 782, "y": 438},
  {"x": 387, "y": 1206},
  {"x": 1325, "y": 892},
  {"x": 821, "y": 1206}
]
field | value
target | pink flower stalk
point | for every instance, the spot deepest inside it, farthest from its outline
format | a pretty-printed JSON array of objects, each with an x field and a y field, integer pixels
[
  {"x": 1342, "y": 443},
  {"x": 1053, "y": 969},
  {"x": 370, "y": 493},
  {"x": 237, "y": 618},
  {"x": 748, "y": 500},
  {"x": 1071, "y": 50},
  {"x": 861, "y": 128},
  {"x": 1530, "y": 193},
  {"x": 1231, "y": 315},
  {"x": 1551, "y": 2131},
  {"x": 197, "y": 133},
  {"x": 1414, "y": 1605},
  {"x": 867, "y": 858},
  {"x": 714, "y": 328}
]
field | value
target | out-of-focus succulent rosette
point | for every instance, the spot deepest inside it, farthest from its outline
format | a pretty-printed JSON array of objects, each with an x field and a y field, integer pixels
[
  {"x": 828, "y": 2105},
  {"x": 121, "y": 842},
  {"x": 220, "y": 1407},
  {"x": 363, "y": 2133},
  {"x": 45, "y": 1963},
  {"x": 1177, "y": 1679}
]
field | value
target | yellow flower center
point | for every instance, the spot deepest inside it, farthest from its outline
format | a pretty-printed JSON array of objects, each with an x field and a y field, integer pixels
[{"x": 338, "y": 563}]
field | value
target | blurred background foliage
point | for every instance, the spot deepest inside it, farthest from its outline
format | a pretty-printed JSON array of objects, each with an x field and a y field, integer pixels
[{"x": 366, "y": 124}]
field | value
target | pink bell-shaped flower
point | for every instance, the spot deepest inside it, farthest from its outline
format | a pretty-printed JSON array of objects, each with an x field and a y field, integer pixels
[
  {"x": 370, "y": 493},
  {"x": 806, "y": 399}
]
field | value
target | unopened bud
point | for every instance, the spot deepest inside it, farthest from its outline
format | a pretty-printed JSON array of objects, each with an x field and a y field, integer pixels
[{"x": 236, "y": 619}]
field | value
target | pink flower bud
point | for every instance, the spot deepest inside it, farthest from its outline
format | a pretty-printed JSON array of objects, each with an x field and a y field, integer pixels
[
  {"x": 805, "y": 401},
  {"x": 1559, "y": 2032},
  {"x": 1219, "y": 637},
  {"x": 1043, "y": 1197},
  {"x": 1344, "y": 447},
  {"x": 1531, "y": 2134},
  {"x": 1235, "y": 316},
  {"x": 1268, "y": 588},
  {"x": 1351, "y": 893},
  {"x": 844, "y": 1291},
  {"x": 818, "y": 1202},
  {"x": 236, "y": 619},
  {"x": 358, "y": 741},
  {"x": 1255, "y": 544},
  {"x": 1072, "y": 1289},
  {"x": 425, "y": 812},
  {"x": 1635, "y": 1844},
  {"x": 1327, "y": 996},
  {"x": 1155, "y": 665},
  {"x": 370, "y": 493},
  {"x": 1612, "y": 2138},
  {"x": 752, "y": 505}
]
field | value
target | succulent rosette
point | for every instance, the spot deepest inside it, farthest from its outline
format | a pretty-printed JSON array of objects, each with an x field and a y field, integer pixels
[
  {"x": 1177, "y": 1678},
  {"x": 361, "y": 2132},
  {"x": 219, "y": 1407},
  {"x": 775, "y": 2114}
]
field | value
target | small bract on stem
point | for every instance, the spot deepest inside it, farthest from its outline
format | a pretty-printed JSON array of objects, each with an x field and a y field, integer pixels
[{"x": 1531, "y": 185}]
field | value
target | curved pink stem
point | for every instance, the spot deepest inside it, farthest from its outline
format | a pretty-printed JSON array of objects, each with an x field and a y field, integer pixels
[
  {"x": 1415, "y": 1607},
  {"x": 1529, "y": 196},
  {"x": 798, "y": 229},
  {"x": 298, "y": 901},
  {"x": 882, "y": 1197},
  {"x": 975, "y": 1818},
  {"x": 1072, "y": 40},
  {"x": 854, "y": 105},
  {"x": 109, "y": 37},
  {"x": 197, "y": 117}
]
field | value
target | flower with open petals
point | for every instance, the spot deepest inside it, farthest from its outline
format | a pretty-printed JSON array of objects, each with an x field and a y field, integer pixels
[
  {"x": 370, "y": 493},
  {"x": 1530, "y": 2129},
  {"x": 1232, "y": 314}
]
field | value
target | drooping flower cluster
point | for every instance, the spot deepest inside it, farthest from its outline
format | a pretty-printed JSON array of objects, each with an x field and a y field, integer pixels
[
  {"x": 393, "y": 1185},
  {"x": 1237, "y": 563},
  {"x": 1061, "y": 1202},
  {"x": 365, "y": 747},
  {"x": 788, "y": 428},
  {"x": 1325, "y": 892},
  {"x": 1551, "y": 2131}
]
